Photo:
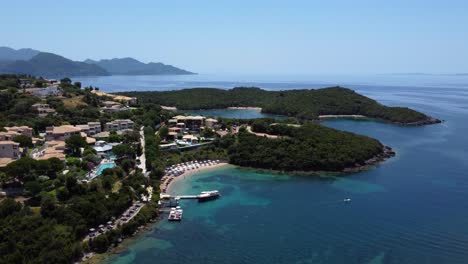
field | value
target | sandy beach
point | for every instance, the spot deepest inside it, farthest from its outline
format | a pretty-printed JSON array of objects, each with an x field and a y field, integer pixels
[
  {"x": 245, "y": 107},
  {"x": 341, "y": 116},
  {"x": 171, "y": 108},
  {"x": 168, "y": 185}
]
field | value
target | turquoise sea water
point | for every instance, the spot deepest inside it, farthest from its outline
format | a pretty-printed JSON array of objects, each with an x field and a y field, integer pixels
[{"x": 411, "y": 209}]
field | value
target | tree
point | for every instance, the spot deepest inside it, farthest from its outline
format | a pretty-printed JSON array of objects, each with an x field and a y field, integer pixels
[
  {"x": 8, "y": 207},
  {"x": 48, "y": 206},
  {"x": 114, "y": 137},
  {"x": 75, "y": 143},
  {"x": 65, "y": 81},
  {"x": 55, "y": 166},
  {"x": 123, "y": 150},
  {"x": 33, "y": 188},
  {"x": 163, "y": 132},
  {"x": 208, "y": 132},
  {"x": 38, "y": 84},
  {"x": 23, "y": 168},
  {"x": 127, "y": 165},
  {"x": 100, "y": 243}
]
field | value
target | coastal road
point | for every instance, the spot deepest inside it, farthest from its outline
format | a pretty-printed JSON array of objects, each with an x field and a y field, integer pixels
[
  {"x": 249, "y": 129},
  {"x": 142, "y": 158}
]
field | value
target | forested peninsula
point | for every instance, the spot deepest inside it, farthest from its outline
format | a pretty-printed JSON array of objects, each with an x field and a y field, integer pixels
[
  {"x": 305, "y": 148},
  {"x": 307, "y": 104}
]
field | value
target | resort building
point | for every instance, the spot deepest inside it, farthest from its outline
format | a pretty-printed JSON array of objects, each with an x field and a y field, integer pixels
[
  {"x": 172, "y": 122},
  {"x": 190, "y": 139},
  {"x": 43, "y": 109},
  {"x": 9, "y": 149},
  {"x": 191, "y": 123},
  {"x": 9, "y": 152},
  {"x": 211, "y": 123},
  {"x": 53, "y": 149},
  {"x": 20, "y": 130},
  {"x": 25, "y": 83},
  {"x": 103, "y": 148},
  {"x": 44, "y": 92},
  {"x": 119, "y": 124},
  {"x": 119, "y": 98},
  {"x": 61, "y": 133},
  {"x": 91, "y": 129},
  {"x": 111, "y": 106},
  {"x": 174, "y": 133}
]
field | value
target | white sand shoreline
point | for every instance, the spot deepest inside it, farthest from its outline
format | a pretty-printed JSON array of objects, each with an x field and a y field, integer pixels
[
  {"x": 341, "y": 116},
  {"x": 244, "y": 108},
  {"x": 169, "y": 185}
]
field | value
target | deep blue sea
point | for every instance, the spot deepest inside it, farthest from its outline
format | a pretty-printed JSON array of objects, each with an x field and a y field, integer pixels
[{"x": 410, "y": 209}]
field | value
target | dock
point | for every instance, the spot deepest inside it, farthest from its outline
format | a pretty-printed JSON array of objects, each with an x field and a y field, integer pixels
[{"x": 175, "y": 213}]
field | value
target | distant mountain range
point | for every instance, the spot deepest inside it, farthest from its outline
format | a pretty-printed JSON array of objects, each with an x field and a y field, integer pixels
[
  {"x": 51, "y": 65},
  {"x": 37, "y": 63},
  {"x": 130, "y": 66},
  {"x": 9, "y": 54}
]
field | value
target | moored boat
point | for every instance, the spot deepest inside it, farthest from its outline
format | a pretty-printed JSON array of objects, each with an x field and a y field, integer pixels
[{"x": 208, "y": 196}]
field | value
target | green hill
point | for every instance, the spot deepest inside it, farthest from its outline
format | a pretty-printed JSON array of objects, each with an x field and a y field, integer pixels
[{"x": 303, "y": 104}]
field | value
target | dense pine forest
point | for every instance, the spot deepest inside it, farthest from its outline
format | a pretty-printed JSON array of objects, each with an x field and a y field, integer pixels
[
  {"x": 311, "y": 147},
  {"x": 304, "y": 104}
]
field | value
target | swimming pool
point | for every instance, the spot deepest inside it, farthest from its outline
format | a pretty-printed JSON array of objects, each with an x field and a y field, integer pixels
[{"x": 104, "y": 166}]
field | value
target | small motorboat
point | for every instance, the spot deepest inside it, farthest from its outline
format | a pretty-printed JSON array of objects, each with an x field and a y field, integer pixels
[{"x": 347, "y": 200}]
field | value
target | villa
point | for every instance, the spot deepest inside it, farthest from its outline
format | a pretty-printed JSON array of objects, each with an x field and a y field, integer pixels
[
  {"x": 174, "y": 133},
  {"x": 9, "y": 149},
  {"x": 119, "y": 98},
  {"x": 61, "y": 133},
  {"x": 103, "y": 148},
  {"x": 9, "y": 152},
  {"x": 191, "y": 123},
  {"x": 91, "y": 129},
  {"x": 119, "y": 124},
  {"x": 53, "y": 149},
  {"x": 211, "y": 123},
  {"x": 111, "y": 106},
  {"x": 20, "y": 130},
  {"x": 191, "y": 139},
  {"x": 44, "y": 92},
  {"x": 43, "y": 109}
]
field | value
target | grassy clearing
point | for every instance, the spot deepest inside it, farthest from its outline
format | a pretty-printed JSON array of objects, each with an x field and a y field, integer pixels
[{"x": 74, "y": 102}]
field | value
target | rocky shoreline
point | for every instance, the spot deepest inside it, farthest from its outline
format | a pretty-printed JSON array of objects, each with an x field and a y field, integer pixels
[
  {"x": 381, "y": 157},
  {"x": 386, "y": 154},
  {"x": 428, "y": 121}
]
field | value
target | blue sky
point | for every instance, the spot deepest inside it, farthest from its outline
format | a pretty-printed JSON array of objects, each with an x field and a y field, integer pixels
[{"x": 250, "y": 37}]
